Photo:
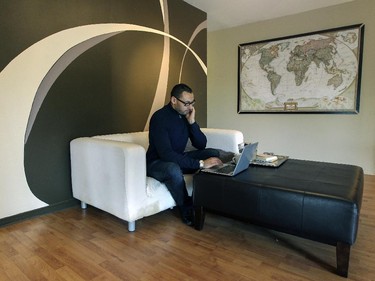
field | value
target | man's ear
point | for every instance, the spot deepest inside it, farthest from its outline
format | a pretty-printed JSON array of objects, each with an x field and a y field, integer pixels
[{"x": 173, "y": 100}]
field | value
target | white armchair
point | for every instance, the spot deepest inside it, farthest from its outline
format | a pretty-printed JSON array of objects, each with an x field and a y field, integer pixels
[{"x": 109, "y": 173}]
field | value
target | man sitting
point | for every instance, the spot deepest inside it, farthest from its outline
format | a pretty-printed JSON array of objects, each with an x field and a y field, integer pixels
[{"x": 170, "y": 129}]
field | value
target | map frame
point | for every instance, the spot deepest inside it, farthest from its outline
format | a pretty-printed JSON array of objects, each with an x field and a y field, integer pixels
[{"x": 258, "y": 100}]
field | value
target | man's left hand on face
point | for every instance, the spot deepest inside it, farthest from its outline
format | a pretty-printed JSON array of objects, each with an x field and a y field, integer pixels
[{"x": 191, "y": 116}]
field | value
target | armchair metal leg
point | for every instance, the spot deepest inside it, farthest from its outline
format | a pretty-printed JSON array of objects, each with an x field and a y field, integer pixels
[
  {"x": 83, "y": 205},
  {"x": 131, "y": 226}
]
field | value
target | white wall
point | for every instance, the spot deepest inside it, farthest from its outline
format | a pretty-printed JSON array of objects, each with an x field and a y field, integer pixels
[{"x": 338, "y": 138}]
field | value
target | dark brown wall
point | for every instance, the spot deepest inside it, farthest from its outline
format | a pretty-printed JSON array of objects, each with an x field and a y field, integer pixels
[{"x": 107, "y": 89}]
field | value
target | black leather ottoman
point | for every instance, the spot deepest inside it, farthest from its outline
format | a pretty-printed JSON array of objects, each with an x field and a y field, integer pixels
[{"x": 315, "y": 200}]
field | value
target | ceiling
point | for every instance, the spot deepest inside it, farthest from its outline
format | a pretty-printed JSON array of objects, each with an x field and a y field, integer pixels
[{"x": 223, "y": 14}]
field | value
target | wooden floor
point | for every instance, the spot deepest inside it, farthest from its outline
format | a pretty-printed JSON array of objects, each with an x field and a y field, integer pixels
[{"x": 92, "y": 245}]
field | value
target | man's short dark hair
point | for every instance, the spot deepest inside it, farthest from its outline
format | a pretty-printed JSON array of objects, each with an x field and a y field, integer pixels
[{"x": 179, "y": 89}]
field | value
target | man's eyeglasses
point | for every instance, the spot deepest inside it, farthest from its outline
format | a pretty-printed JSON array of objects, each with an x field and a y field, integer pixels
[{"x": 186, "y": 103}]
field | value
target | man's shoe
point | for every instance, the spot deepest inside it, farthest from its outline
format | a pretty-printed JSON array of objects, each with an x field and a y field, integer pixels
[
  {"x": 187, "y": 220},
  {"x": 187, "y": 215}
]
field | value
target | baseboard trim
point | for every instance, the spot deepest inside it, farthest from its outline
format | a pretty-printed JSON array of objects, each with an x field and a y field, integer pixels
[{"x": 38, "y": 212}]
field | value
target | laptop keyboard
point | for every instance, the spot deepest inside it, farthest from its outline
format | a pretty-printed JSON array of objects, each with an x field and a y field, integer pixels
[{"x": 226, "y": 169}]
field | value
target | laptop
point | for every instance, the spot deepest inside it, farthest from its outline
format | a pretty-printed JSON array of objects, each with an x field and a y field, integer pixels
[{"x": 231, "y": 169}]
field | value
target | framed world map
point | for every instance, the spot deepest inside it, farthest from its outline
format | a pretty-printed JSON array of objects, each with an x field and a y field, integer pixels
[{"x": 317, "y": 72}]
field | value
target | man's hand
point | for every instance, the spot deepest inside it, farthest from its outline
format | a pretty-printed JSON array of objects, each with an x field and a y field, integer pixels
[
  {"x": 212, "y": 161},
  {"x": 191, "y": 116}
]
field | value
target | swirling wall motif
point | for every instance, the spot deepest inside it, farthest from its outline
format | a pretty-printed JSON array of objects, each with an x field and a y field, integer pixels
[
  {"x": 89, "y": 36},
  {"x": 24, "y": 84}
]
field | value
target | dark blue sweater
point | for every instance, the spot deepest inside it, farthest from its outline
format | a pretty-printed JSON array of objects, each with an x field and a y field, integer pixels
[{"x": 168, "y": 135}]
